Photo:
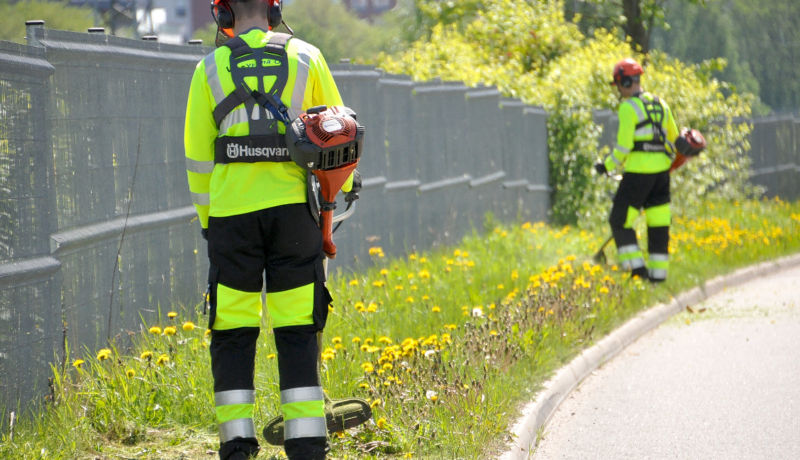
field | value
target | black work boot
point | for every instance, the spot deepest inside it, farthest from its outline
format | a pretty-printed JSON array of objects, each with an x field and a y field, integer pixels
[
  {"x": 239, "y": 449},
  {"x": 641, "y": 272}
]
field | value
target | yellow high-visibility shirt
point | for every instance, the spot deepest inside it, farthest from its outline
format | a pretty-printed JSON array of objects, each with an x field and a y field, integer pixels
[
  {"x": 632, "y": 112},
  {"x": 238, "y": 188}
]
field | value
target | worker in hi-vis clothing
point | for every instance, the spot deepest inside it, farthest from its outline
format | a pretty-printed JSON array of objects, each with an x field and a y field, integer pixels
[
  {"x": 645, "y": 146},
  {"x": 251, "y": 200}
]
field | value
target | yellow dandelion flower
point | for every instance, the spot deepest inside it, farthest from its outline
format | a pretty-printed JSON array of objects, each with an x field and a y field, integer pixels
[
  {"x": 451, "y": 327},
  {"x": 188, "y": 326},
  {"x": 146, "y": 356},
  {"x": 368, "y": 367},
  {"x": 155, "y": 330},
  {"x": 172, "y": 314},
  {"x": 526, "y": 225},
  {"x": 514, "y": 275},
  {"x": 356, "y": 339},
  {"x": 353, "y": 282},
  {"x": 492, "y": 306},
  {"x": 363, "y": 385},
  {"x": 422, "y": 260},
  {"x": 398, "y": 288},
  {"x": 77, "y": 363},
  {"x": 336, "y": 340},
  {"x": 368, "y": 341},
  {"x": 375, "y": 251},
  {"x": 500, "y": 286},
  {"x": 375, "y": 403},
  {"x": 410, "y": 299},
  {"x": 162, "y": 360},
  {"x": 493, "y": 332},
  {"x": 412, "y": 257},
  {"x": 359, "y": 306},
  {"x": 372, "y": 307},
  {"x": 384, "y": 272},
  {"x": 384, "y": 339},
  {"x": 103, "y": 354},
  {"x": 381, "y": 423},
  {"x": 436, "y": 309},
  {"x": 470, "y": 264},
  {"x": 378, "y": 283},
  {"x": 465, "y": 254},
  {"x": 426, "y": 297},
  {"x": 169, "y": 330},
  {"x": 604, "y": 290},
  {"x": 130, "y": 373},
  {"x": 424, "y": 273},
  {"x": 388, "y": 366},
  {"x": 410, "y": 275},
  {"x": 457, "y": 253},
  {"x": 271, "y": 356}
]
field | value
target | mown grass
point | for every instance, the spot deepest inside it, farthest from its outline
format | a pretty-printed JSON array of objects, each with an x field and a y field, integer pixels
[{"x": 446, "y": 345}]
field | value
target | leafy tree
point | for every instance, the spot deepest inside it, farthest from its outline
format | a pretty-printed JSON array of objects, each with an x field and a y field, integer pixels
[
  {"x": 637, "y": 18},
  {"x": 334, "y": 30},
  {"x": 57, "y": 15},
  {"x": 530, "y": 51}
]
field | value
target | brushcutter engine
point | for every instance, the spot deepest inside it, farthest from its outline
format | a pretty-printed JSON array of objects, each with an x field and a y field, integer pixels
[
  {"x": 688, "y": 145},
  {"x": 327, "y": 143}
]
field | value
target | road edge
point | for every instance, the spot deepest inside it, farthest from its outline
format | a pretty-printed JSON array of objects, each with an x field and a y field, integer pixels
[{"x": 537, "y": 413}]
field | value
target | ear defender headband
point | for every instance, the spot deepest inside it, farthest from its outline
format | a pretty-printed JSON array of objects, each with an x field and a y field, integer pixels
[{"x": 223, "y": 15}]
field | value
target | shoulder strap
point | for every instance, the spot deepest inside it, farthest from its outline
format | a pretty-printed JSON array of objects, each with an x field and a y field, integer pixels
[{"x": 277, "y": 43}]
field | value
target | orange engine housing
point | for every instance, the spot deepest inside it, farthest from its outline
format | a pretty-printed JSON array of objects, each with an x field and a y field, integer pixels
[{"x": 337, "y": 133}]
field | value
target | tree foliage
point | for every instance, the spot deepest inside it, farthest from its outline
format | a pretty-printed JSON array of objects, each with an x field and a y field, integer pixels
[
  {"x": 335, "y": 31},
  {"x": 57, "y": 15},
  {"x": 530, "y": 51}
]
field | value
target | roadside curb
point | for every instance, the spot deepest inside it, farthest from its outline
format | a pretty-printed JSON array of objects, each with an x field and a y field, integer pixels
[{"x": 537, "y": 413}]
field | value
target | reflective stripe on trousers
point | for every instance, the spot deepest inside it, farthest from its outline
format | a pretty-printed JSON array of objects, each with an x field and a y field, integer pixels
[
  {"x": 658, "y": 265},
  {"x": 235, "y": 414},
  {"x": 303, "y": 412}
]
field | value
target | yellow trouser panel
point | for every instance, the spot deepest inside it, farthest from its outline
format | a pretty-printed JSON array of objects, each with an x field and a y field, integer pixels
[
  {"x": 294, "y": 307},
  {"x": 633, "y": 213},
  {"x": 658, "y": 216},
  {"x": 237, "y": 309},
  {"x": 303, "y": 409},
  {"x": 233, "y": 412}
]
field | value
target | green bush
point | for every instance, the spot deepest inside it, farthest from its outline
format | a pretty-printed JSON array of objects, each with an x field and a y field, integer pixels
[
  {"x": 56, "y": 15},
  {"x": 531, "y": 52}
]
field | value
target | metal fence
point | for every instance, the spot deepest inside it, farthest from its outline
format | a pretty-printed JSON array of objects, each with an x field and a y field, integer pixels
[
  {"x": 774, "y": 151},
  {"x": 97, "y": 234}
]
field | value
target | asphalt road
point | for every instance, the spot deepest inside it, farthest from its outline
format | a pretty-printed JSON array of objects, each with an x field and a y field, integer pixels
[{"x": 721, "y": 384}]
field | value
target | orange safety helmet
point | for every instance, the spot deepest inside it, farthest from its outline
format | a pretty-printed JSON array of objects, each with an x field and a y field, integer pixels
[
  {"x": 626, "y": 72},
  {"x": 223, "y": 15}
]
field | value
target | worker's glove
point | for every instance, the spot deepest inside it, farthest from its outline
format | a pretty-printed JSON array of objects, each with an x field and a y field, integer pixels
[
  {"x": 600, "y": 168},
  {"x": 204, "y": 233},
  {"x": 352, "y": 195}
]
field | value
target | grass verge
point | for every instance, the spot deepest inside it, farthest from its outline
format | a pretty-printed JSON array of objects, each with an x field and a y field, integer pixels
[{"x": 445, "y": 345}]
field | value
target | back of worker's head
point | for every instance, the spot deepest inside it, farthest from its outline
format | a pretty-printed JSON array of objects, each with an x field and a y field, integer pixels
[{"x": 226, "y": 12}]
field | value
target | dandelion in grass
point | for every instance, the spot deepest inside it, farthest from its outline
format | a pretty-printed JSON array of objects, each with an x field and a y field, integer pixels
[
  {"x": 526, "y": 225},
  {"x": 130, "y": 373},
  {"x": 374, "y": 251},
  {"x": 425, "y": 274},
  {"x": 170, "y": 330},
  {"x": 103, "y": 354},
  {"x": 384, "y": 339},
  {"x": 457, "y": 252},
  {"x": 188, "y": 326},
  {"x": 603, "y": 290},
  {"x": 436, "y": 309},
  {"x": 367, "y": 367},
  {"x": 423, "y": 260},
  {"x": 514, "y": 275},
  {"x": 384, "y": 272},
  {"x": 410, "y": 299},
  {"x": 363, "y": 386},
  {"x": 450, "y": 327},
  {"x": 336, "y": 340},
  {"x": 398, "y": 288},
  {"x": 381, "y": 423},
  {"x": 353, "y": 282},
  {"x": 172, "y": 315},
  {"x": 368, "y": 341},
  {"x": 207, "y": 333},
  {"x": 378, "y": 283},
  {"x": 146, "y": 356},
  {"x": 162, "y": 360},
  {"x": 500, "y": 286},
  {"x": 155, "y": 330},
  {"x": 372, "y": 307},
  {"x": 431, "y": 395},
  {"x": 375, "y": 403},
  {"x": 77, "y": 363},
  {"x": 356, "y": 340},
  {"x": 359, "y": 307}
]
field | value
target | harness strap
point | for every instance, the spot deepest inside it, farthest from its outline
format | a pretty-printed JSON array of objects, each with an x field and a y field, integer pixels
[
  {"x": 659, "y": 142},
  {"x": 268, "y": 61},
  {"x": 251, "y": 149}
]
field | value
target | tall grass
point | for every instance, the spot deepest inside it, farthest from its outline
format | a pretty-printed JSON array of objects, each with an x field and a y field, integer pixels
[{"x": 445, "y": 344}]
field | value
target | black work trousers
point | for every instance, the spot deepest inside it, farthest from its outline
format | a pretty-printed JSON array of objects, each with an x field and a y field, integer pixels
[{"x": 285, "y": 244}]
